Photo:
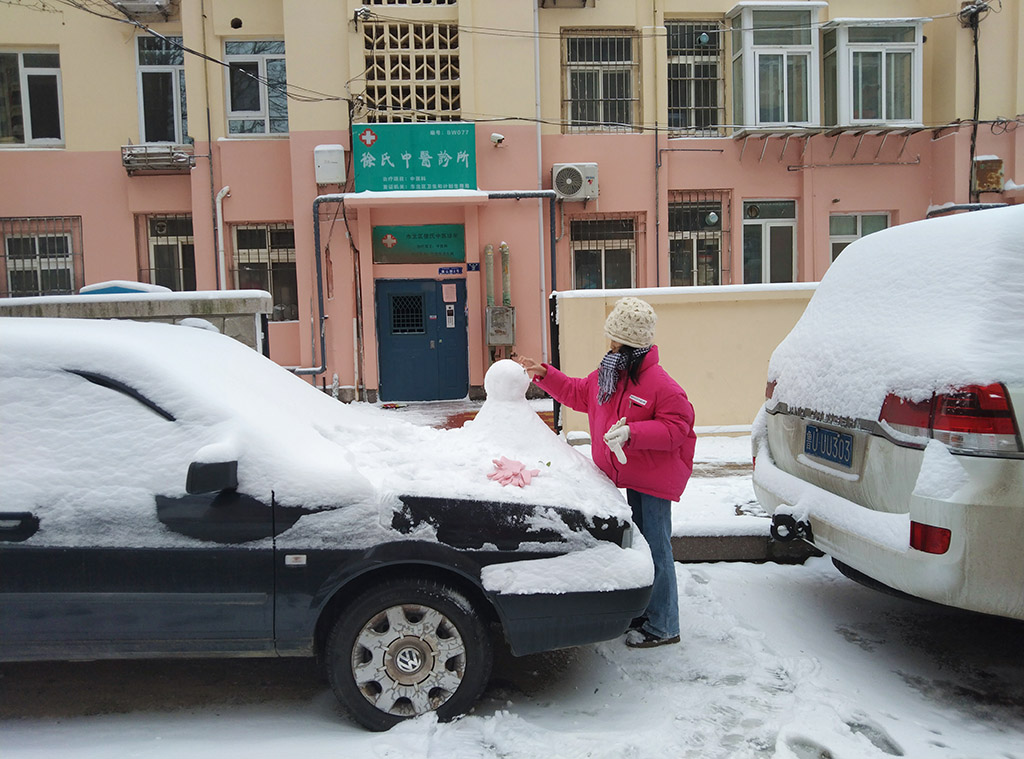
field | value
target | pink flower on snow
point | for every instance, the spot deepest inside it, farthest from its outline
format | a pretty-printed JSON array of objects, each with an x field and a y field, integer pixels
[{"x": 509, "y": 472}]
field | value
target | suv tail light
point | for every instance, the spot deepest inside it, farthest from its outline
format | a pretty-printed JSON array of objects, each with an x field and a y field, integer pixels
[
  {"x": 975, "y": 418},
  {"x": 928, "y": 538}
]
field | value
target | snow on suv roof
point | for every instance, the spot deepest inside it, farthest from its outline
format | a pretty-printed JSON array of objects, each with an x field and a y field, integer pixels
[{"x": 913, "y": 309}]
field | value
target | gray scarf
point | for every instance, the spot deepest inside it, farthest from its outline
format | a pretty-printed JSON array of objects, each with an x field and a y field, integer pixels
[{"x": 613, "y": 365}]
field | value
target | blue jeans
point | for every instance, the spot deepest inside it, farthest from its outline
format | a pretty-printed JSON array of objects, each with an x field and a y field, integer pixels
[{"x": 653, "y": 517}]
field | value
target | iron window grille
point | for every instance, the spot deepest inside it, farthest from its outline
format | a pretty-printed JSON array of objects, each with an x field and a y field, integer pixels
[
  {"x": 256, "y": 86},
  {"x": 604, "y": 252},
  {"x": 696, "y": 88},
  {"x": 163, "y": 116},
  {"x": 407, "y": 315},
  {"x": 412, "y": 72},
  {"x": 167, "y": 254},
  {"x": 265, "y": 260},
  {"x": 699, "y": 238},
  {"x": 31, "y": 101},
  {"x": 41, "y": 256},
  {"x": 600, "y": 80}
]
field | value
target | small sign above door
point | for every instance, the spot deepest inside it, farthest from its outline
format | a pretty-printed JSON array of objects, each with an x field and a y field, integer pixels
[{"x": 421, "y": 244}]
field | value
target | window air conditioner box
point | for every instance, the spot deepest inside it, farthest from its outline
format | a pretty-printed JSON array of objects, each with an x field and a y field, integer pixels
[
  {"x": 145, "y": 8},
  {"x": 574, "y": 181}
]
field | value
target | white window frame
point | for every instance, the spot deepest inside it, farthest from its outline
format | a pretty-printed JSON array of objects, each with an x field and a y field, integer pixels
[
  {"x": 746, "y": 55},
  {"x": 177, "y": 73},
  {"x": 844, "y": 52},
  {"x": 766, "y": 231},
  {"x": 25, "y": 106},
  {"x": 834, "y": 239},
  {"x": 263, "y": 114}
]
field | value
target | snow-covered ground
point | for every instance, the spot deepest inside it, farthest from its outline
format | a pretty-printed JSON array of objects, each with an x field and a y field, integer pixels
[{"x": 791, "y": 662}]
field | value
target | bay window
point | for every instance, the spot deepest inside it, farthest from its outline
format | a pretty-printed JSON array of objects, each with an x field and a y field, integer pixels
[
  {"x": 873, "y": 71},
  {"x": 775, "y": 74}
]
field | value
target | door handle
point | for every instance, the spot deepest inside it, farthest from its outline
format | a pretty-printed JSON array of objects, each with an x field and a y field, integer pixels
[{"x": 431, "y": 345}]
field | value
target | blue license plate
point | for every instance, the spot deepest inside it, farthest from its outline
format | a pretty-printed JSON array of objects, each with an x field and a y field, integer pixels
[{"x": 829, "y": 445}]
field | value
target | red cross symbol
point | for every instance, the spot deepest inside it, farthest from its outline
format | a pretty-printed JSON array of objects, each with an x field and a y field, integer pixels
[
  {"x": 390, "y": 240},
  {"x": 368, "y": 137}
]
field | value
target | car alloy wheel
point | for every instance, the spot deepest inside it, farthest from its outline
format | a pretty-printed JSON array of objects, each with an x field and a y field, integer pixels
[{"x": 406, "y": 648}]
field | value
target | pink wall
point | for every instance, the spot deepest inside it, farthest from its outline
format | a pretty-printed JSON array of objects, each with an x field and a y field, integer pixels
[{"x": 273, "y": 181}]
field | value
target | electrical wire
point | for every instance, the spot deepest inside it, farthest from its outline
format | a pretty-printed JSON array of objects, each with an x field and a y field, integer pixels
[{"x": 307, "y": 95}]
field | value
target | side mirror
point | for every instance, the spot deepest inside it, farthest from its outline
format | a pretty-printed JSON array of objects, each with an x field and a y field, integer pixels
[{"x": 211, "y": 477}]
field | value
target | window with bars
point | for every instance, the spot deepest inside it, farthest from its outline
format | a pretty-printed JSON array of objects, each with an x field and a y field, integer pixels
[
  {"x": 265, "y": 260},
  {"x": 257, "y": 81},
  {"x": 168, "y": 254},
  {"x": 407, "y": 315},
  {"x": 696, "y": 101},
  {"x": 412, "y": 72},
  {"x": 31, "y": 103},
  {"x": 603, "y": 253},
  {"x": 162, "y": 113},
  {"x": 41, "y": 256},
  {"x": 698, "y": 231},
  {"x": 601, "y": 80}
]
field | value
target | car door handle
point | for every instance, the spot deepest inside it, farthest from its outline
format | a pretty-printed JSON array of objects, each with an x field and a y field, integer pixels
[{"x": 16, "y": 526}]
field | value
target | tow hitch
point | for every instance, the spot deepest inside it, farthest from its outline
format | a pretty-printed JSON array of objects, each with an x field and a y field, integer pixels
[{"x": 785, "y": 527}]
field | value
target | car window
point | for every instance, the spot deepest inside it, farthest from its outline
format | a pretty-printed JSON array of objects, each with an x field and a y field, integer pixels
[{"x": 87, "y": 458}]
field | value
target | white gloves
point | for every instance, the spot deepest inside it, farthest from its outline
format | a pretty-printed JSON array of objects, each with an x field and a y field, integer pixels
[{"x": 616, "y": 437}]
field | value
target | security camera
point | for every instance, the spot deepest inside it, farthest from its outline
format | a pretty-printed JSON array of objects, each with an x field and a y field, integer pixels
[{"x": 496, "y": 138}]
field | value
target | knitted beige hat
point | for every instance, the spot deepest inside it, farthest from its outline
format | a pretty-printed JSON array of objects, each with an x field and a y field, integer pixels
[{"x": 631, "y": 323}]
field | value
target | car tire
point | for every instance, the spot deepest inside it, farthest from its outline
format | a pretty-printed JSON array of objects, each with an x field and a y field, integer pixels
[{"x": 407, "y": 647}]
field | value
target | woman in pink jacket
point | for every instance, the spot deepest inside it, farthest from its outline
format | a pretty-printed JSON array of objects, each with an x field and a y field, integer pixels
[{"x": 641, "y": 425}]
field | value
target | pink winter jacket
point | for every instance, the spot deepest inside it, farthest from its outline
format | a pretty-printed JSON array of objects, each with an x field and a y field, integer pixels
[{"x": 659, "y": 452}]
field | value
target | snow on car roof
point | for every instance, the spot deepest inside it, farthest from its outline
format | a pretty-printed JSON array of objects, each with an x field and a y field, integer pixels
[
  {"x": 914, "y": 309},
  {"x": 289, "y": 437}
]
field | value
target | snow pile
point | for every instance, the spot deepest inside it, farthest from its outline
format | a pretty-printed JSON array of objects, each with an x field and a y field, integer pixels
[{"x": 914, "y": 309}]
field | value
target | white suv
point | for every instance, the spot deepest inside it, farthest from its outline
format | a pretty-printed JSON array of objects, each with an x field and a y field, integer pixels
[{"x": 891, "y": 433}]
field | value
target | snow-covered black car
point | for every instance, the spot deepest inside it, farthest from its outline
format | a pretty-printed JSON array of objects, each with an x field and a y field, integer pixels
[{"x": 166, "y": 491}]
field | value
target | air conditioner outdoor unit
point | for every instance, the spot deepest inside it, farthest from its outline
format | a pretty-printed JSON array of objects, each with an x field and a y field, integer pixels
[{"x": 574, "y": 181}]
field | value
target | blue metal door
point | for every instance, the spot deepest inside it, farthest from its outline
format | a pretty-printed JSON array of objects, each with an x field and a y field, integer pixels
[{"x": 422, "y": 340}]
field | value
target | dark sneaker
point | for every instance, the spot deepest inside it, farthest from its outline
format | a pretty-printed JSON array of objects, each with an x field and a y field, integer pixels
[
  {"x": 636, "y": 623},
  {"x": 644, "y": 639}
]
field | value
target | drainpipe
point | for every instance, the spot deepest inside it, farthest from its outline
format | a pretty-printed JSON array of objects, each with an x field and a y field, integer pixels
[
  {"x": 314, "y": 370},
  {"x": 219, "y": 203},
  {"x": 540, "y": 185},
  {"x": 489, "y": 272},
  {"x": 506, "y": 286}
]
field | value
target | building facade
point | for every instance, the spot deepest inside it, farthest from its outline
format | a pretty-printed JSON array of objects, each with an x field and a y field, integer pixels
[{"x": 464, "y": 158}]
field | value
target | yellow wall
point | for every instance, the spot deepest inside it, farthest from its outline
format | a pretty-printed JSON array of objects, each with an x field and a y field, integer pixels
[{"x": 715, "y": 342}]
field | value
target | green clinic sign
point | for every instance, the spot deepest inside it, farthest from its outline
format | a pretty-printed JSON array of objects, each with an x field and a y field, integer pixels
[
  {"x": 424, "y": 244},
  {"x": 422, "y": 156}
]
